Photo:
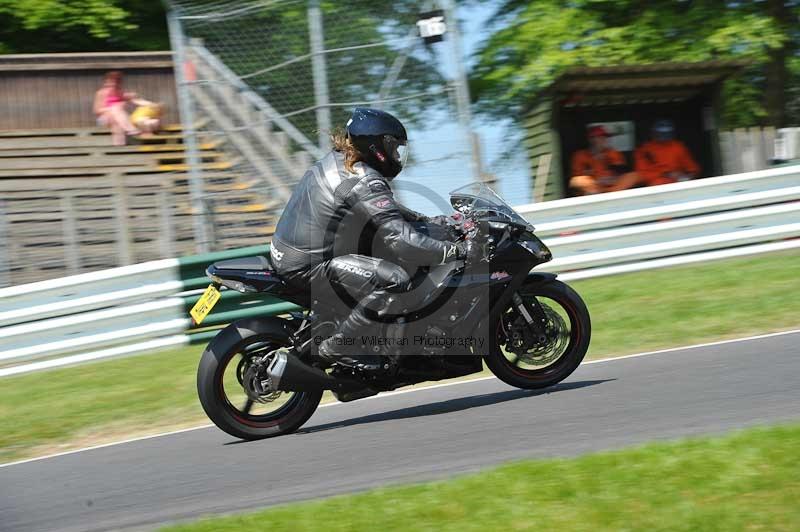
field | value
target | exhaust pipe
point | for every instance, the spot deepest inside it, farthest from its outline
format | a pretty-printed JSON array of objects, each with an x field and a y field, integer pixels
[{"x": 289, "y": 374}]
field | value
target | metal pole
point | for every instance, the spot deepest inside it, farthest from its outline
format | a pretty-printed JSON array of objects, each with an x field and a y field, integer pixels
[
  {"x": 124, "y": 255},
  {"x": 319, "y": 73},
  {"x": 163, "y": 198},
  {"x": 5, "y": 249},
  {"x": 462, "y": 89},
  {"x": 199, "y": 215},
  {"x": 71, "y": 253}
]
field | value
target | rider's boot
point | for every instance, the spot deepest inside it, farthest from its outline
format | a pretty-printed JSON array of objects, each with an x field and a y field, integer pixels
[
  {"x": 333, "y": 350},
  {"x": 342, "y": 347}
]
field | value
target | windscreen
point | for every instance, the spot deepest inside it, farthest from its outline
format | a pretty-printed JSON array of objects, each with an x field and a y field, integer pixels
[{"x": 478, "y": 197}]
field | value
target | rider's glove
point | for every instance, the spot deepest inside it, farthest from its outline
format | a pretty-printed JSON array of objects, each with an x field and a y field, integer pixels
[
  {"x": 461, "y": 250},
  {"x": 452, "y": 223},
  {"x": 442, "y": 219},
  {"x": 468, "y": 251}
]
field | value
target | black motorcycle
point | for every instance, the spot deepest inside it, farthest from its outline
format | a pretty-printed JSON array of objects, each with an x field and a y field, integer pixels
[{"x": 262, "y": 377}]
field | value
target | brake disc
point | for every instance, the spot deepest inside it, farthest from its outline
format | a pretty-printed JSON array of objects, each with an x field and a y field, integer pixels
[
  {"x": 538, "y": 351},
  {"x": 254, "y": 380}
]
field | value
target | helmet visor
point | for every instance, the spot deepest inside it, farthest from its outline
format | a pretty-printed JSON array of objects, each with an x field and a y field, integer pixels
[
  {"x": 397, "y": 149},
  {"x": 402, "y": 153}
]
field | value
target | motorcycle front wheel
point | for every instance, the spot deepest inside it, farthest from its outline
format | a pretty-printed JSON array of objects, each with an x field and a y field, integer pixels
[{"x": 538, "y": 357}]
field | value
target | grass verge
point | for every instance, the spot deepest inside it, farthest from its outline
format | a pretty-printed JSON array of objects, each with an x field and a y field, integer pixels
[
  {"x": 746, "y": 481},
  {"x": 96, "y": 403}
]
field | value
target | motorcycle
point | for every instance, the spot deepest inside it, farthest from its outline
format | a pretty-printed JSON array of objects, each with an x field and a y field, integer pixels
[{"x": 262, "y": 377}]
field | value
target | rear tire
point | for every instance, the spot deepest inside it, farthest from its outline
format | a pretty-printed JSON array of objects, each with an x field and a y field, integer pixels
[
  {"x": 232, "y": 340},
  {"x": 579, "y": 337}
]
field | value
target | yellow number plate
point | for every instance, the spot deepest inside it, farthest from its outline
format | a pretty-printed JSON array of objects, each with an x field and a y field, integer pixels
[{"x": 204, "y": 305}]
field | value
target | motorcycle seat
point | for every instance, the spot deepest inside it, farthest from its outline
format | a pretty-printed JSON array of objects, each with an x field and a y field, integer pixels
[{"x": 256, "y": 263}]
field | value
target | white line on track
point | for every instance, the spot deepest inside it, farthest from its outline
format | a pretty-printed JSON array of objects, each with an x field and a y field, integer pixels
[{"x": 411, "y": 390}]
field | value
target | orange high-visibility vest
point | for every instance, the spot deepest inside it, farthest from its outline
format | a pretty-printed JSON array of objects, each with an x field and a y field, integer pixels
[
  {"x": 584, "y": 162},
  {"x": 655, "y": 159}
]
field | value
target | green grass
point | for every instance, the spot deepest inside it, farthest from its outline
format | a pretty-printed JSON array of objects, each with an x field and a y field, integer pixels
[
  {"x": 106, "y": 401},
  {"x": 746, "y": 481},
  {"x": 99, "y": 402},
  {"x": 679, "y": 306}
]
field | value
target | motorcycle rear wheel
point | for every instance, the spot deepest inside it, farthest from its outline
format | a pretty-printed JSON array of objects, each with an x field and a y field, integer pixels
[
  {"x": 221, "y": 395},
  {"x": 543, "y": 367}
]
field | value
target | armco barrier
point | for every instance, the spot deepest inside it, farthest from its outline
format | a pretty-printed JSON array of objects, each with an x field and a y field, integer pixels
[
  {"x": 138, "y": 308},
  {"x": 676, "y": 200}
]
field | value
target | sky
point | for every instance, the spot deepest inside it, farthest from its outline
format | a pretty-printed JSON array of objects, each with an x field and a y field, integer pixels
[{"x": 441, "y": 158}]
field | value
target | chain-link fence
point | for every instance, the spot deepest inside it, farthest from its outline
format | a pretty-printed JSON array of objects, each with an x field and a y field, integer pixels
[{"x": 271, "y": 80}]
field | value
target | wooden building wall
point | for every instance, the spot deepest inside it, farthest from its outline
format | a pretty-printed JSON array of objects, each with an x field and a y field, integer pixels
[
  {"x": 45, "y": 91},
  {"x": 542, "y": 144}
]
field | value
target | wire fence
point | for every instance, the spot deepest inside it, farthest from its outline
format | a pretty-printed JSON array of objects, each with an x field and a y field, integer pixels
[{"x": 271, "y": 80}]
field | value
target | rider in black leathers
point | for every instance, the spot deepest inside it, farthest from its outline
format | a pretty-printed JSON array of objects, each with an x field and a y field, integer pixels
[{"x": 341, "y": 210}]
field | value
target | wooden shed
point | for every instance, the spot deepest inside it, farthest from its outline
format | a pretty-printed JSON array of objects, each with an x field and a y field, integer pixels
[{"x": 626, "y": 99}]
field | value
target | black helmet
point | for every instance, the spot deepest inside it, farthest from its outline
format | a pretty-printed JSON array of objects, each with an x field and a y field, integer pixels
[{"x": 380, "y": 138}]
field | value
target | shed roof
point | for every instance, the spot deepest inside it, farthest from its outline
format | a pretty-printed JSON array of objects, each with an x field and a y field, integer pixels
[{"x": 646, "y": 83}]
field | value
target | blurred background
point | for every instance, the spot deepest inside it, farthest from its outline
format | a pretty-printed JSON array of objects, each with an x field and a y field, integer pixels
[{"x": 497, "y": 91}]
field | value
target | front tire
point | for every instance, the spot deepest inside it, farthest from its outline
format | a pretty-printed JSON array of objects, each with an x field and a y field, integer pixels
[
  {"x": 510, "y": 367},
  {"x": 215, "y": 385}
]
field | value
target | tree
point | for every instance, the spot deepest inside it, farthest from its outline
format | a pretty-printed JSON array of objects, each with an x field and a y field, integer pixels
[
  {"x": 533, "y": 41},
  {"x": 41, "y": 26}
]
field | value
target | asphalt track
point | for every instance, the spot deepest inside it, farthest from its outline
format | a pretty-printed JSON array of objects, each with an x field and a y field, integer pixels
[{"x": 408, "y": 437}]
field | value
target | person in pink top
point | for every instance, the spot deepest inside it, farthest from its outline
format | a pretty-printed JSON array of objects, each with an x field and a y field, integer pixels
[{"x": 109, "y": 107}]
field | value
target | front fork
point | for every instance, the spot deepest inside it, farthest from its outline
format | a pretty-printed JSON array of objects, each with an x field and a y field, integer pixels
[{"x": 533, "y": 314}]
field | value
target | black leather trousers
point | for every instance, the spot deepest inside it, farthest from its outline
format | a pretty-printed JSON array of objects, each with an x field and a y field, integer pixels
[{"x": 364, "y": 284}]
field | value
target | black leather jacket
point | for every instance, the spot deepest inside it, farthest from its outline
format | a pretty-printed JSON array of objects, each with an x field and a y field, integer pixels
[{"x": 333, "y": 212}]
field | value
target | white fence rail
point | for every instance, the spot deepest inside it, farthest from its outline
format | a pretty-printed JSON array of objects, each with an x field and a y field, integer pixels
[
  {"x": 88, "y": 291},
  {"x": 93, "y": 329},
  {"x": 658, "y": 226},
  {"x": 714, "y": 194},
  {"x": 135, "y": 309}
]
